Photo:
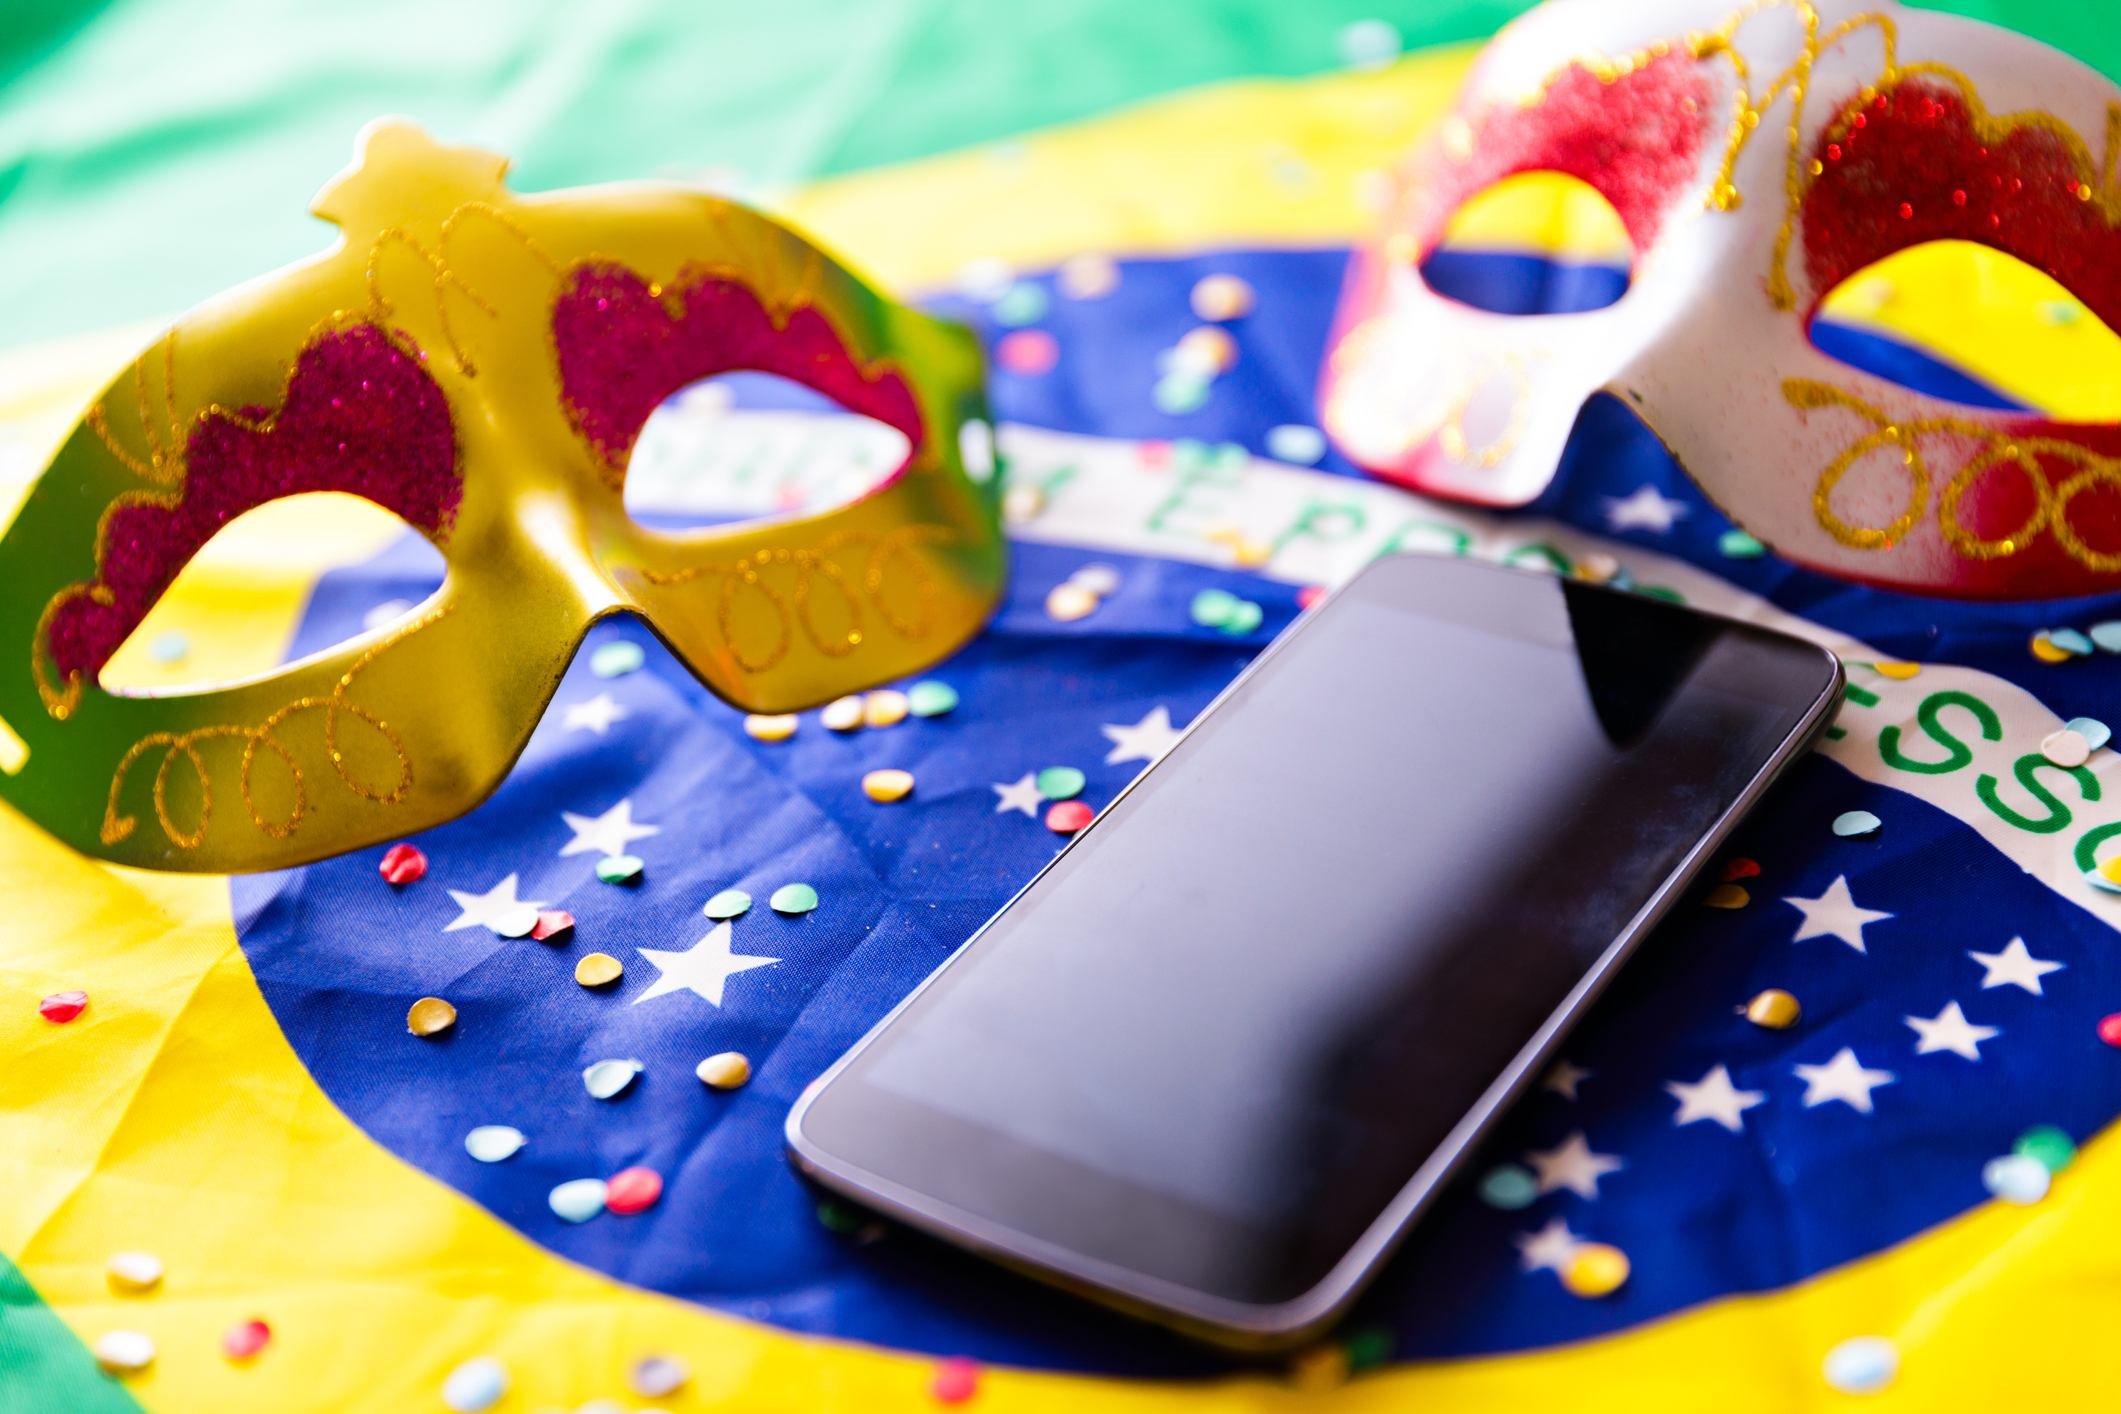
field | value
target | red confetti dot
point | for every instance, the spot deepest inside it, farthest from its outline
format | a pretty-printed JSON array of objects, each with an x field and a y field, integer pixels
[
  {"x": 1740, "y": 868},
  {"x": 956, "y": 1380},
  {"x": 633, "y": 1190},
  {"x": 2110, "y": 1029},
  {"x": 1068, "y": 816},
  {"x": 1310, "y": 594},
  {"x": 244, "y": 1341},
  {"x": 1155, "y": 454},
  {"x": 403, "y": 864},
  {"x": 552, "y": 922},
  {"x": 62, "y": 1007},
  {"x": 1027, "y": 351}
]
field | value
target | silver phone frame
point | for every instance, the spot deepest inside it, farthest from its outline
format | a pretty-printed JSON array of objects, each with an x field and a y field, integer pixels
[{"x": 1248, "y": 1326}]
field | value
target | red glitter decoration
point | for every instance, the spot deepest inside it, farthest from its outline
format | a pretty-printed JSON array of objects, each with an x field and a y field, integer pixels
[
  {"x": 403, "y": 864},
  {"x": 361, "y": 416},
  {"x": 552, "y": 923},
  {"x": 956, "y": 1380},
  {"x": 633, "y": 1190},
  {"x": 62, "y": 1007},
  {"x": 623, "y": 350},
  {"x": 1068, "y": 816},
  {"x": 245, "y": 1340},
  {"x": 2110, "y": 1029},
  {"x": 1740, "y": 868}
]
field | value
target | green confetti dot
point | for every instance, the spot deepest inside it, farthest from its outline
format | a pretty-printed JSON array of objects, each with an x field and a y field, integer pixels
[
  {"x": 620, "y": 868},
  {"x": 615, "y": 660},
  {"x": 793, "y": 898},
  {"x": 1212, "y": 608},
  {"x": 1369, "y": 1348},
  {"x": 838, "y": 1217},
  {"x": 1060, "y": 782},
  {"x": 1737, "y": 545},
  {"x": 2047, "y": 1146},
  {"x": 728, "y": 904},
  {"x": 931, "y": 698},
  {"x": 1022, "y": 303},
  {"x": 1243, "y": 619},
  {"x": 1509, "y": 1187},
  {"x": 1179, "y": 392}
]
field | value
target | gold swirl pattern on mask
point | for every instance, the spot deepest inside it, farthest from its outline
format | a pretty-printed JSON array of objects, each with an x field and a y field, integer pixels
[
  {"x": 118, "y": 826},
  {"x": 164, "y": 462},
  {"x": 1996, "y": 450}
]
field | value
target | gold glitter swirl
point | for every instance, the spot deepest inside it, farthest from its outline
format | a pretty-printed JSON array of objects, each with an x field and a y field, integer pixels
[{"x": 164, "y": 462}]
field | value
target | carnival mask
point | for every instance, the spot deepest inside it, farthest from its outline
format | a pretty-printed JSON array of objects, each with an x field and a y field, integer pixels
[
  {"x": 1756, "y": 160},
  {"x": 480, "y": 364}
]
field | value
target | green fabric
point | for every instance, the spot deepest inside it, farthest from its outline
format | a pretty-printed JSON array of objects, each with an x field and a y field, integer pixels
[
  {"x": 43, "y": 1368},
  {"x": 153, "y": 152}
]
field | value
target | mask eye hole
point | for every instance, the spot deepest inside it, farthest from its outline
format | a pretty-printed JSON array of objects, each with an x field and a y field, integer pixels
[
  {"x": 1968, "y": 324},
  {"x": 744, "y": 445},
  {"x": 1533, "y": 243}
]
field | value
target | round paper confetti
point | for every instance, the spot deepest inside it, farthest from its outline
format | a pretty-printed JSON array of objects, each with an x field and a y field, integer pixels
[
  {"x": 1212, "y": 608},
  {"x": 1309, "y": 595},
  {"x": 1059, "y": 782},
  {"x": 1296, "y": 442},
  {"x": 633, "y": 1190},
  {"x": 246, "y": 1340},
  {"x": 725, "y": 1070},
  {"x": 1246, "y": 617},
  {"x": 598, "y": 969},
  {"x": 774, "y": 728},
  {"x": 1066, "y": 603},
  {"x": 1863, "y": 1364},
  {"x": 620, "y": 868},
  {"x": 1855, "y": 824},
  {"x": 1068, "y": 816},
  {"x": 610, "y": 1077},
  {"x": 1029, "y": 352},
  {"x": 1220, "y": 298},
  {"x": 1088, "y": 276},
  {"x": 169, "y": 648},
  {"x": 1023, "y": 503},
  {"x": 553, "y": 923},
  {"x": 403, "y": 864},
  {"x": 2110, "y": 1028},
  {"x": 842, "y": 714},
  {"x": 1206, "y": 350},
  {"x": 956, "y": 1380},
  {"x": 491, "y": 1143},
  {"x": 1097, "y": 578},
  {"x": 1597, "y": 1269},
  {"x": 1898, "y": 672},
  {"x": 133, "y": 1271},
  {"x": 518, "y": 922},
  {"x": 2046, "y": 1146},
  {"x": 1022, "y": 303},
  {"x": 2016, "y": 1178},
  {"x": 793, "y": 899},
  {"x": 430, "y": 1016},
  {"x": 2046, "y": 650},
  {"x": 2065, "y": 748},
  {"x": 577, "y": 1200},
  {"x": 475, "y": 1385},
  {"x": 1737, "y": 545},
  {"x": 1178, "y": 393},
  {"x": 1774, "y": 1009},
  {"x": 655, "y": 1376},
  {"x": 888, "y": 785},
  {"x": 2070, "y": 641},
  {"x": 124, "y": 1352},
  {"x": 1727, "y": 896},
  {"x": 2095, "y": 732},
  {"x": 1509, "y": 1187},
  {"x": 930, "y": 698},
  {"x": 885, "y": 707},
  {"x": 1369, "y": 44},
  {"x": 728, "y": 904},
  {"x": 62, "y": 1007},
  {"x": 616, "y": 660},
  {"x": 1739, "y": 867},
  {"x": 2107, "y": 636}
]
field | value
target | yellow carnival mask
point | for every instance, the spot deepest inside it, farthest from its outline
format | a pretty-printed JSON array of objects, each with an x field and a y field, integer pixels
[{"x": 480, "y": 364}]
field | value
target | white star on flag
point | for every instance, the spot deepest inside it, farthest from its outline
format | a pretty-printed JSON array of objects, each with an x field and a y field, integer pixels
[
  {"x": 1644, "y": 508},
  {"x": 1950, "y": 1031},
  {"x": 1714, "y": 1097},
  {"x": 1563, "y": 1078},
  {"x": 1834, "y": 914},
  {"x": 703, "y": 969},
  {"x": 1573, "y": 1166},
  {"x": 2014, "y": 967},
  {"x": 1843, "y": 1078},
  {"x": 1147, "y": 740},
  {"x": 1020, "y": 795},
  {"x": 1551, "y": 1248},
  {"x": 490, "y": 908},
  {"x": 606, "y": 834},
  {"x": 595, "y": 714}
]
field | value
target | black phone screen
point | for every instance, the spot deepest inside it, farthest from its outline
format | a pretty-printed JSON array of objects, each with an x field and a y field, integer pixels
[{"x": 1219, "y": 1035}]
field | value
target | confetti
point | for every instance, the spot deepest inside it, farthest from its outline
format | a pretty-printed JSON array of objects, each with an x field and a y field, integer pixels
[
  {"x": 1369, "y": 1348},
  {"x": 1296, "y": 442},
  {"x": 1068, "y": 817},
  {"x": 430, "y": 1016},
  {"x": 1221, "y": 298},
  {"x": 1318, "y": 1369},
  {"x": 616, "y": 660},
  {"x": 1212, "y": 608},
  {"x": 1059, "y": 782},
  {"x": 1246, "y": 617},
  {"x": 62, "y": 1007},
  {"x": 633, "y": 1190},
  {"x": 133, "y": 1271},
  {"x": 1088, "y": 276},
  {"x": 1862, "y": 1364},
  {"x": 1855, "y": 824},
  {"x": 1898, "y": 672},
  {"x": 518, "y": 922},
  {"x": 169, "y": 648},
  {"x": 2044, "y": 648},
  {"x": 1597, "y": 1269},
  {"x": 1369, "y": 44},
  {"x": 986, "y": 279},
  {"x": 608, "y": 1078},
  {"x": 552, "y": 923},
  {"x": 620, "y": 868},
  {"x": 475, "y": 1385},
  {"x": 1022, "y": 303},
  {"x": 2066, "y": 748},
  {"x": 1509, "y": 1187},
  {"x": 1066, "y": 603},
  {"x": 1029, "y": 352},
  {"x": 1737, "y": 545},
  {"x": 956, "y": 1380},
  {"x": 2106, "y": 875},
  {"x": 124, "y": 1352},
  {"x": 1728, "y": 896},
  {"x": 2107, "y": 636},
  {"x": 1206, "y": 351},
  {"x": 885, "y": 707},
  {"x": 491, "y": 1143},
  {"x": 599, "y": 969},
  {"x": 769, "y": 728},
  {"x": 728, "y": 904},
  {"x": 1099, "y": 579},
  {"x": 842, "y": 714},
  {"x": 2070, "y": 641},
  {"x": 2016, "y": 1178},
  {"x": 1178, "y": 393},
  {"x": 793, "y": 899},
  {"x": 1023, "y": 503},
  {"x": 2095, "y": 732},
  {"x": 1740, "y": 867},
  {"x": 402, "y": 864},
  {"x": 577, "y": 1200},
  {"x": 725, "y": 1070},
  {"x": 1774, "y": 1009},
  {"x": 1309, "y": 595},
  {"x": 2046, "y": 1146},
  {"x": 888, "y": 785},
  {"x": 246, "y": 1340},
  {"x": 655, "y": 1376},
  {"x": 930, "y": 698},
  {"x": 2110, "y": 1028}
]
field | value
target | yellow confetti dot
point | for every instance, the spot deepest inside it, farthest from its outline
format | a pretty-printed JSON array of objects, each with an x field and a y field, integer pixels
[
  {"x": 2110, "y": 869},
  {"x": 599, "y": 969},
  {"x": 1898, "y": 672},
  {"x": 1022, "y": 503},
  {"x": 1596, "y": 1270},
  {"x": 887, "y": 785},
  {"x": 1775, "y": 1009},
  {"x": 1069, "y": 602},
  {"x": 725, "y": 1070},
  {"x": 773, "y": 728},
  {"x": 886, "y": 707},
  {"x": 1222, "y": 297},
  {"x": 1322, "y": 1367},
  {"x": 1728, "y": 896},
  {"x": 843, "y": 714},
  {"x": 430, "y": 1016},
  {"x": 1208, "y": 347},
  {"x": 2045, "y": 650}
]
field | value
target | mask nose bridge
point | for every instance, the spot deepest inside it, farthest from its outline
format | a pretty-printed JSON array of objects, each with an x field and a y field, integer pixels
[{"x": 557, "y": 531}]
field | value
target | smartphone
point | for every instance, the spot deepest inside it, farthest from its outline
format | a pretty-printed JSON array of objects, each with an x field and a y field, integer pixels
[{"x": 1213, "y": 1060}]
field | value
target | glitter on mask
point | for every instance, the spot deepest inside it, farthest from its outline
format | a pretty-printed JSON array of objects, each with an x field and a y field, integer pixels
[{"x": 403, "y": 864}]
